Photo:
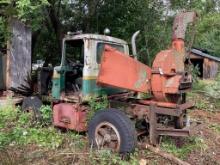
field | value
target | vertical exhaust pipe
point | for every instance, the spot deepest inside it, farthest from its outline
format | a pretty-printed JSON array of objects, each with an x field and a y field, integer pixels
[{"x": 133, "y": 43}]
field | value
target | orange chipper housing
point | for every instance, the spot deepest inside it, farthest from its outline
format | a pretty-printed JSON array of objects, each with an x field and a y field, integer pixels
[{"x": 167, "y": 80}]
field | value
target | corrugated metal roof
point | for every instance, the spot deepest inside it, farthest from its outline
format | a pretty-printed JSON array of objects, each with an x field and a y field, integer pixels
[{"x": 201, "y": 53}]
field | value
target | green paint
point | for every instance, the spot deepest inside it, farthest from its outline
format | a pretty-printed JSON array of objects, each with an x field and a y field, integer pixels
[
  {"x": 56, "y": 89},
  {"x": 91, "y": 88},
  {"x": 142, "y": 77},
  {"x": 58, "y": 82}
]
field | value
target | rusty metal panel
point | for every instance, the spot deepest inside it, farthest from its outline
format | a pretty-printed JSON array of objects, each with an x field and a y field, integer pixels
[
  {"x": 19, "y": 56},
  {"x": 180, "y": 24},
  {"x": 121, "y": 71},
  {"x": 69, "y": 116}
]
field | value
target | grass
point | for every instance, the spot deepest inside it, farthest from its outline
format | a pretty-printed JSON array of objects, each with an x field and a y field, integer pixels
[
  {"x": 97, "y": 105},
  {"x": 18, "y": 130},
  {"x": 24, "y": 141},
  {"x": 187, "y": 146},
  {"x": 205, "y": 93},
  {"x": 215, "y": 127}
]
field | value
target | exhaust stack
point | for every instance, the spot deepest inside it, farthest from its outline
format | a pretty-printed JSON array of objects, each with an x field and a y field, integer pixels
[{"x": 133, "y": 43}]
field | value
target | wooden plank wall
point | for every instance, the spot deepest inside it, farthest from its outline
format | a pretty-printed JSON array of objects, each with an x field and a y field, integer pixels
[
  {"x": 210, "y": 68},
  {"x": 18, "y": 56},
  {"x": 2, "y": 71}
]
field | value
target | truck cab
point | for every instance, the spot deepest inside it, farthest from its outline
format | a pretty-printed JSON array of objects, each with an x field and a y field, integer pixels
[{"x": 75, "y": 78}]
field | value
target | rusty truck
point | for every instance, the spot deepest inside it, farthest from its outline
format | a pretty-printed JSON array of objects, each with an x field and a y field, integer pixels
[{"x": 93, "y": 65}]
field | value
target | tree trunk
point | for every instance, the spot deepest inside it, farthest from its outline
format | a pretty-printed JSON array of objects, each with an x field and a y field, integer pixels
[{"x": 56, "y": 24}]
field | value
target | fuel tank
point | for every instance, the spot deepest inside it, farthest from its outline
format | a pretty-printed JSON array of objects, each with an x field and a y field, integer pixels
[{"x": 69, "y": 116}]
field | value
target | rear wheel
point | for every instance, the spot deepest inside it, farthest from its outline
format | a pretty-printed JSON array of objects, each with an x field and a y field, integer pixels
[{"x": 112, "y": 129}]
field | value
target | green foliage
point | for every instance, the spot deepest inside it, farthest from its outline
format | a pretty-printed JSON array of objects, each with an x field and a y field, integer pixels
[
  {"x": 194, "y": 70},
  {"x": 208, "y": 31},
  {"x": 106, "y": 157},
  {"x": 199, "y": 85},
  {"x": 24, "y": 119},
  {"x": 4, "y": 33},
  {"x": 206, "y": 93},
  {"x": 202, "y": 104},
  {"x": 97, "y": 104},
  {"x": 8, "y": 114},
  {"x": 32, "y": 12},
  {"x": 46, "y": 115},
  {"x": 190, "y": 144},
  {"x": 42, "y": 137},
  {"x": 213, "y": 89},
  {"x": 17, "y": 129},
  {"x": 215, "y": 127},
  {"x": 50, "y": 20}
]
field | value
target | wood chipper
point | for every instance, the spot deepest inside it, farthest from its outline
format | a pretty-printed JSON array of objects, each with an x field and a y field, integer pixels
[{"x": 108, "y": 69}]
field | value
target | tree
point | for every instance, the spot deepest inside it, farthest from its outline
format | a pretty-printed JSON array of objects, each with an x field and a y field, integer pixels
[
  {"x": 208, "y": 32},
  {"x": 51, "y": 19}
]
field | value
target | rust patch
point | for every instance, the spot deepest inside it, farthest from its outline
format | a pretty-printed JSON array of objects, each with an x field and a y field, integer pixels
[{"x": 142, "y": 78}]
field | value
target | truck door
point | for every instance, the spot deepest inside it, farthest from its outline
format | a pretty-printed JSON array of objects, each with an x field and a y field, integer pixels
[{"x": 91, "y": 67}]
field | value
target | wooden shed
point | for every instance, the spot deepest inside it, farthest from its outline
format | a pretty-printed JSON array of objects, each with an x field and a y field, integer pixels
[
  {"x": 15, "y": 64},
  {"x": 208, "y": 65}
]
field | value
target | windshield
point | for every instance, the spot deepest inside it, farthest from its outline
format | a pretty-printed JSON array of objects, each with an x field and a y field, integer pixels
[
  {"x": 73, "y": 52},
  {"x": 101, "y": 46}
]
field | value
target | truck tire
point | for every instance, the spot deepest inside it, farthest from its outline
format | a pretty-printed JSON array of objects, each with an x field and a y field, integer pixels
[
  {"x": 32, "y": 104},
  {"x": 112, "y": 129}
]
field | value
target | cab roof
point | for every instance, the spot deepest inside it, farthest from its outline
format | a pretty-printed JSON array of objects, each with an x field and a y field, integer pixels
[{"x": 95, "y": 37}]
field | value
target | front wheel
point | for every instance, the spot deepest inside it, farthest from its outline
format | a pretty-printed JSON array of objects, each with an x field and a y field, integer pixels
[{"x": 112, "y": 129}]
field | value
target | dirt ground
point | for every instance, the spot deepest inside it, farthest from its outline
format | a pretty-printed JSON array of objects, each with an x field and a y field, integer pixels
[{"x": 206, "y": 130}]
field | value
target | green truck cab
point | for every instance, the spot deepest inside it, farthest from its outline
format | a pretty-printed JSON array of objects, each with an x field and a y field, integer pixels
[{"x": 75, "y": 78}]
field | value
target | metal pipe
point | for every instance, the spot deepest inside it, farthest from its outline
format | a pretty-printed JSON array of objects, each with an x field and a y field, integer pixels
[{"x": 133, "y": 43}]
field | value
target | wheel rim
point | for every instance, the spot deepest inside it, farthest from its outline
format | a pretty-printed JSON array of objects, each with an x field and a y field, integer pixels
[{"x": 107, "y": 137}]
